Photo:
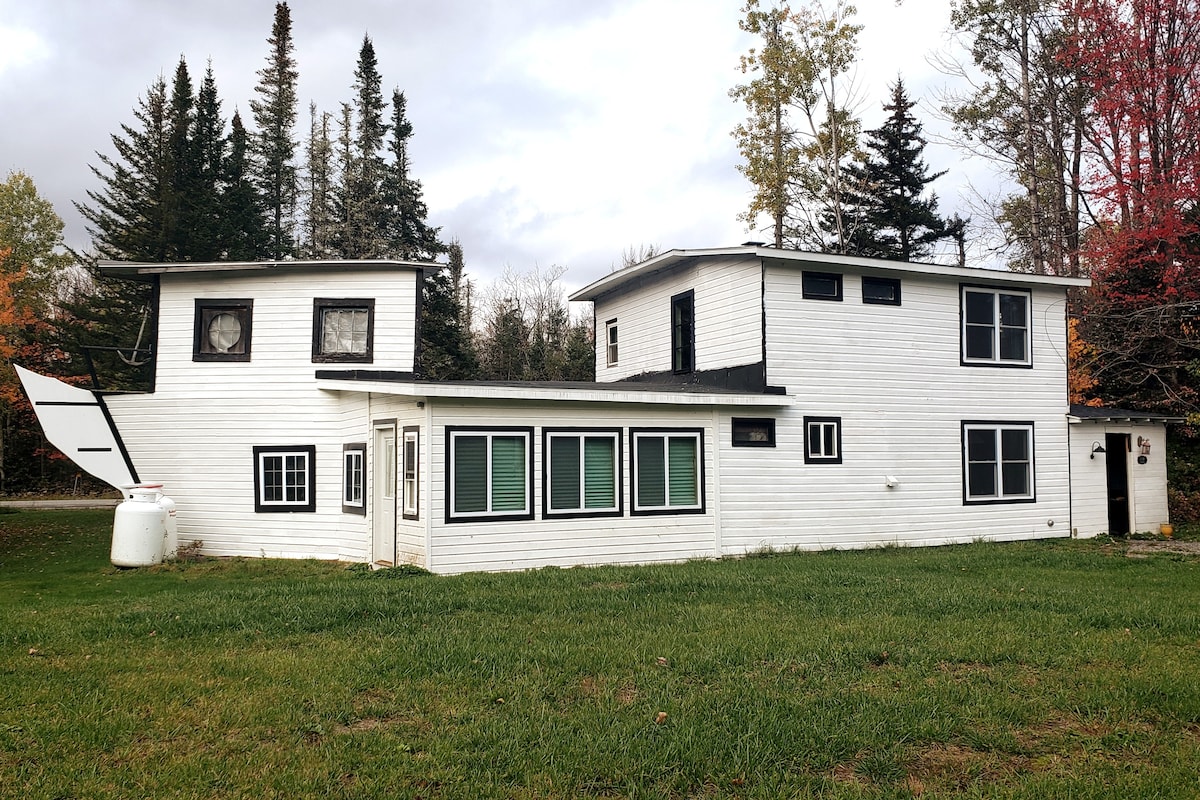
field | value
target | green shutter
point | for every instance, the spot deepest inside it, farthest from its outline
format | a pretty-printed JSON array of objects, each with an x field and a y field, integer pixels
[
  {"x": 509, "y": 487},
  {"x": 599, "y": 479},
  {"x": 564, "y": 473},
  {"x": 651, "y": 477},
  {"x": 682, "y": 464},
  {"x": 470, "y": 474}
]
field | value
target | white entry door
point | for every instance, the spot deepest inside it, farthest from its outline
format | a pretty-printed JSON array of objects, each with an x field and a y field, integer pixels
[{"x": 383, "y": 493}]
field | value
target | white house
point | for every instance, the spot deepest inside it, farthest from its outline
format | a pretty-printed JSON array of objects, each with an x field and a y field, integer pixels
[{"x": 746, "y": 398}]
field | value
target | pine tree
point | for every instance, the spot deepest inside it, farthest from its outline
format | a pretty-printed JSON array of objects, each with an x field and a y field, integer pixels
[
  {"x": 319, "y": 232},
  {"x": 177, "y": 216},
  {"x": 891, "y": 219},
  {"x": 406, "y": 232},
  {"x": 244, "y": 233},
  {"x": 364, "y": 180},
  {"x": 274, "y": 147},
  {"x": 205, "y": 217}
]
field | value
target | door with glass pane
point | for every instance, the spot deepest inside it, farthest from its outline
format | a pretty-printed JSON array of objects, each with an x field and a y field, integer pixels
[{"x": 383, "y": 506}]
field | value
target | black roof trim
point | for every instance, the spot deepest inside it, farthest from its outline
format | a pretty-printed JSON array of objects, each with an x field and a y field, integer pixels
[{"x": 1080, "y": 411}]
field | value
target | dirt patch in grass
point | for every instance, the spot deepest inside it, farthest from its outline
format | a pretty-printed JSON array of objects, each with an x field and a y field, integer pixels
[{"x": 1138, "y": 548}]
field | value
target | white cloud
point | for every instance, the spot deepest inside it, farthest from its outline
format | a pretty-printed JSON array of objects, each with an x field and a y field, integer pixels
[{"x": 20, "y": 47}]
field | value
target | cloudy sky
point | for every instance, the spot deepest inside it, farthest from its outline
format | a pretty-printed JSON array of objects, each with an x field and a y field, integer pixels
[{"x": 547, "y": 132}]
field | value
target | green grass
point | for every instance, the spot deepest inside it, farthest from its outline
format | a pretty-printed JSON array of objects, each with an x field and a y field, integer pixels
[{"x": 1038, "y": 670}]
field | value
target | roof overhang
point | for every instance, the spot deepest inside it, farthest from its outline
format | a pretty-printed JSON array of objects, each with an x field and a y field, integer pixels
[
  {"x": 1081, "y": 413},
  {"x": 674, "y": 259},
  {"x": 134, "y": 269},
  {"x": 593, "y": 393}
]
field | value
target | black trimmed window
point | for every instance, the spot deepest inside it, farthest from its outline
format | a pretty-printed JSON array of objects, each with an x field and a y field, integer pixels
[
  {"x": 285, "y": 478},
  {"x": 610, "y": 346},
  {"x": 995, "y": 327},
  {"x": 410, "y": 460},
  {"x": 581, "y": 472},
  {"x": 822, "y": 440},
  {"x": 354, "y": 462},
  {"x": 490, "y": 474},
  {"x": 668, "y": 471},
  {"x": 343, "y": 330},
  {"x": 998, "y": 462},
  {"x": 221, "y": 331},
  {"x": 880, "y": 291},
  {"x": 683, "y": 332},
  {"x": 821, "y": 286},
  {"x": 753, "y": 432}
]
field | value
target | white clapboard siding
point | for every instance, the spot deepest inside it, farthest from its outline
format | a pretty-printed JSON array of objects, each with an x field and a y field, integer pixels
[
  {"x": 1089, "y": 477},
  {"x": 540, "y": 542},
  {"x": 196, "y": 432},
  {"x": 893, "y": 376},
  {"x": 728, "y": 319}
]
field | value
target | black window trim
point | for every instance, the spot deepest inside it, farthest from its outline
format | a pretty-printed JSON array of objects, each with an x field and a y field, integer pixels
[
  {"x": 811, "y": 459},
  {"x": 276, "y": 508},
  {"x": 769, "y": 422},
  {"x": 361, "y": 449},
  {"x": 581, "y": 432},
  {"x": 242, "y": 307},
  {"x": 997, "y": 424},
  {"x": 996, "y": 362},
  {"x": 321, "y": 304},
  {"x": 689, "y": 347},
  {"x": 633, "y": 452},
  {"x": 880, "y": 280},
  {"x": 836, "y": 277},
  {"x": 451, "y": 518}
]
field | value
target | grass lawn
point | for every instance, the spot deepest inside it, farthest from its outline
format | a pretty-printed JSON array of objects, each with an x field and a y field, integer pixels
[{"x": 1035, "y": 670}]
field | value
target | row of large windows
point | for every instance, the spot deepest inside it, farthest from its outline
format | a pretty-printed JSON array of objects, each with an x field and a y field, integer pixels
[{"x": 490, "y": 472}]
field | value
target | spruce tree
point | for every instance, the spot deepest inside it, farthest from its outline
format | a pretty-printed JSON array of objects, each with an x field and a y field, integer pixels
[
  {"x": 244, "y": 233},
  {"x": 274, "y": 147},
  {"x": 447, "y": 350},
  {"x": 205, "y": 215},
  {"x": 364, "y": 179},
  {"x": 177, "y": 217},
  {"x": 406, "y": 232},
  {"x": 891, "y": 218},
  {"x": 319, "y": 222}
]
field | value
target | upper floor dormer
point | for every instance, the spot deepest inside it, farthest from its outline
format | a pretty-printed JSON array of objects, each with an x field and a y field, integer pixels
[
  {"x": 763, "y": 318},
  {"x": 234, "y": 324}
]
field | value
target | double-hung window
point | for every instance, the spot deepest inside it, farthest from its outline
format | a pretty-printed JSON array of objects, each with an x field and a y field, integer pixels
[
  {"x": 668, "y": 471},
  {"x": 285, "y": 478},
  {"x": 343, "y": 330},
  {"x": 610, "y": 336},
  {"x": 683, "y": 332},
  {"x": 410, "y": 472},
  {"x": 490, "y": 475},
  {"x": 998, "y": 462},
  {"x": 822, "y": 440},
  {"x": 995, "y": 327},
  {"x": 354, "y": 459},
  {"x": 581, "y": 472}
]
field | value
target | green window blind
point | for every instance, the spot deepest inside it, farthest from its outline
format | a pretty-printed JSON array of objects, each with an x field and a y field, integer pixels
[
  {"x": 652, "y": 473},
  {"x": 682, "y": 471},
  {"x": 470, "y": 474},
  {"x": 599, "y": 480},
  {"x": 564, "y": 473},
  {"x": 508, "y": 473}
]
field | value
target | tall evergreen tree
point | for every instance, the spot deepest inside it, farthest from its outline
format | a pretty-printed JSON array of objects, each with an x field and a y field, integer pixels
[
  {"x": 319, "y": 220},
  {"x": 181, "y": 167},
  {"x": 204, "y": 200},
  {"x": 406, "y": 233},
  {"x": 364, "y": 178},
  {"x": 447, "y": 349},
  {"x": 274, "y": 147},
  {"x": 244, "y": 233},
  {"x": 892, "y": 217}
]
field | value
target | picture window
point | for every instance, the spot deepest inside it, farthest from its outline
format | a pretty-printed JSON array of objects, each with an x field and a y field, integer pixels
[
  {"x": 668, "y": 471},
  {"x": 490, "y": 475},
  {"x": 581, "y": 472}
]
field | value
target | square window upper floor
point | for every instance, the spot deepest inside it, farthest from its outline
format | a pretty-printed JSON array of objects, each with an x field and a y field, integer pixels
[
  {"x": 222, "y": 329},
  {"x": 343, "y": 330}
]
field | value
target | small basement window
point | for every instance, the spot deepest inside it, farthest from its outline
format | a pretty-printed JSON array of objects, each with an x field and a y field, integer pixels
[
  {"x": 343, "y": 330},
  {"x": 221, "y": 331},
  {"x": 753, "y": 432},
  {"x": 880, "y": 291},
  {"x": 821, "y": 286}
]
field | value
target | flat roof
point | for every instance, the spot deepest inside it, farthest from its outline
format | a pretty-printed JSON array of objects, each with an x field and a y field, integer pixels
[
  {"x": 674, "y": 259},
  {"x": 1105, "y": 414},
  {"x": 133, "y": 268}
]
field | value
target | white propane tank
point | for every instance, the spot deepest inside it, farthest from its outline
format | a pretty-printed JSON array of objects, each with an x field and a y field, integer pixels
[{"x": 139, "y": 529}]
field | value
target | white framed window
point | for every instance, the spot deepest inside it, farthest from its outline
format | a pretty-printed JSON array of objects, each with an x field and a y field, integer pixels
[
  {"x": 998, "y": 462},
  {"x": 610, "y": 338},
  {"x": 343, "y": 330},
  {"x": 996, "y": 327},
  {"x": 354, "y": 460},
  {"x": 668, "y": 471},
  {"x": 490, "y": 474},
  {"x": 581, "y": 472},
  {"x": 285, "y": 478},
  {"x": 221, "y": 330},
  {"x": 410, "y": 472},
  {"x": 822, "y": 440}
]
